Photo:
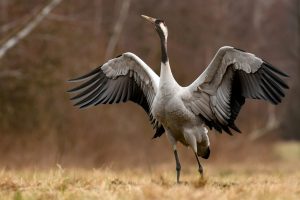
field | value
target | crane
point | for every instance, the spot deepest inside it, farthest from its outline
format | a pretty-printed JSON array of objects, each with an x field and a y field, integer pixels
[{"x": 212, "y": 101}]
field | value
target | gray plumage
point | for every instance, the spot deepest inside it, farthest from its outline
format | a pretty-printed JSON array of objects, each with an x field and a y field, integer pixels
[
  {"x": 121, "y": 79},
  {"x": 213, "y": 100}
]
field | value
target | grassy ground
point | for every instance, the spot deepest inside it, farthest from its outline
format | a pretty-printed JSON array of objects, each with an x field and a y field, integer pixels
[{"x": 242, "y": 181}]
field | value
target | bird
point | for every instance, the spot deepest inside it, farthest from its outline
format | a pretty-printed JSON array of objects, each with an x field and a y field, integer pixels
[{"x": 184, "y": 114}]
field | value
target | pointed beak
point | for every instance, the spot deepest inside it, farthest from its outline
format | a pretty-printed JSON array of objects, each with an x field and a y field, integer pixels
[{"x": 150, "y": 19}]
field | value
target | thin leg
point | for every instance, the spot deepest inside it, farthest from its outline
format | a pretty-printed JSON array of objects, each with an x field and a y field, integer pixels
[
  {"x": 178, "y": 166},
  {"x": 200, "y": 168}
]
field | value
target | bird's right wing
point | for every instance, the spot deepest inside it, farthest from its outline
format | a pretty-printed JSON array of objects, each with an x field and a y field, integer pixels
[
  {"x": 121, "y": 79},
  {"x": 233, "y": 75}
]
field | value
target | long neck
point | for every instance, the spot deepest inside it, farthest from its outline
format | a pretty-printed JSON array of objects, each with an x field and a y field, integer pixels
[
  {"x": 166, "y": 75},
  {"x": 164, "y": 53}
]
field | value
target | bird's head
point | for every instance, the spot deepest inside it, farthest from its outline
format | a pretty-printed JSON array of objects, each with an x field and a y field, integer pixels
[{"x": 160, "y": 26}]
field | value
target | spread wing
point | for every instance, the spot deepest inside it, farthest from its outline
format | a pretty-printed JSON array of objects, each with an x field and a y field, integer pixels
[
  {"x": 218, "y": 94},
  {"x": 124, "y": 78}
]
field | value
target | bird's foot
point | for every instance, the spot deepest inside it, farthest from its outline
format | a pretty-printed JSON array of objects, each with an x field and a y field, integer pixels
[
  {"x": 178, "y": 174},
  {"x": 200, "y": 170}
]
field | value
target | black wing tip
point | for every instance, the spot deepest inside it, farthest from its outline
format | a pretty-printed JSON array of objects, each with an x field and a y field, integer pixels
[
  {"x": 275, "y": 72},
  {"x": 239, "y": 49},
  {"x": 229, "y": 133},
  {"x": 82, "y": 106},
  {"x": 81, "y": 78},
  {"x": 85, "y": 76},
  {"x": 271, "y": 83},
  {"x": 74, "y": 98},
  {"x": 159, "y": 131},
  {"x": 274, "y": 69},
  {"x": 74, "y": 80},
  {"x": 119, "y": 55},
  {"x": 234, "y": 127},
  {"x": 72, "y": 90},
  {"x": 155, "y": 136},
  {"x": 227, "y": 130}
]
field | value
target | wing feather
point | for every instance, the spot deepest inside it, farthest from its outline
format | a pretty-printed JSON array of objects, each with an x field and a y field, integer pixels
[
  {"x": 232, "y": 76},
  {"x": 121, "y": 79}
]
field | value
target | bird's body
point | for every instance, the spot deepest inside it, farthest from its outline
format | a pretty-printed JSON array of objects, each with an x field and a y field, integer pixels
[
  {"x": 213, "y": 100},
  {"x": 170, "y": 110}
]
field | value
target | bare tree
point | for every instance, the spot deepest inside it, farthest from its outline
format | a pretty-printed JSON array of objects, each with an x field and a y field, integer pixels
[
  {"x": 272, "y": 124},
  {"x": 97, "y": 16},
  {"x": 117, "y": 28},
  {"x": 3, "y": 4},
  {"x": 28, "y": 28}
]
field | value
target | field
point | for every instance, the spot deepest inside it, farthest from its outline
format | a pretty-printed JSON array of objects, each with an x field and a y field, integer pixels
[
  {"x": 236, "y": 181},
  {"x": 51, "y": 150}
]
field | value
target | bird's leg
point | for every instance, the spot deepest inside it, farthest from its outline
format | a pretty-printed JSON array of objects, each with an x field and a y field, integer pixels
[
  {"x": 200, "y": 168},
  {"x": 178, "y": 166}
]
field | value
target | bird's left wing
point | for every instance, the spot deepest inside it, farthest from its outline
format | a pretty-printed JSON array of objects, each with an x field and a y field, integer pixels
[
  {"x": 124, "y": 78},
  {"x": 218, "y": 94}
]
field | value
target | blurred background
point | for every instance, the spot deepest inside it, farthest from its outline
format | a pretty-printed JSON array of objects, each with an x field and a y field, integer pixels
[{"x": 43, "y": 43}]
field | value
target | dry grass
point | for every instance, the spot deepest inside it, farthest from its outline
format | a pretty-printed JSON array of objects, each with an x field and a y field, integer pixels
[
  {"x": 277, "y": 179},
  {"x": 272, "y": 181}
]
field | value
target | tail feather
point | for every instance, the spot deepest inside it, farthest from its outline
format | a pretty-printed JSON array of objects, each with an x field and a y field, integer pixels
[{"x": 203, "y": 152}]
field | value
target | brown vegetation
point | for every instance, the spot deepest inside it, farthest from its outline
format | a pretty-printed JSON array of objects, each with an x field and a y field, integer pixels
[{"x": 250, "y": 181}]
